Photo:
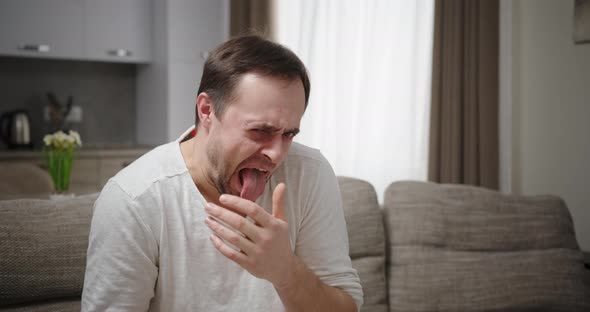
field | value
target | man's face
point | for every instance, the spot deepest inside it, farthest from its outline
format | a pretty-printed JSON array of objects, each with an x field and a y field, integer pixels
[{"x": 254, "y": 134}]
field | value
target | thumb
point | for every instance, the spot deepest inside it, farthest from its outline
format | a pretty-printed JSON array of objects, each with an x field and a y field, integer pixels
[{"x": 278, "y": 197}]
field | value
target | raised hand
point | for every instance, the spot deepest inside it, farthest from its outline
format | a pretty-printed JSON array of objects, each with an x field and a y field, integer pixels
[{"x": 264, "y": 245}]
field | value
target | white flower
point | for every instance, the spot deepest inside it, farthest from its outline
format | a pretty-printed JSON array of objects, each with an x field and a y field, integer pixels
[
  {"x": 48, "y": 139},
  {"x": 76, "y": 137},
  {"x": 61, "y": 140},
  {"x": 60, "y": 136}
]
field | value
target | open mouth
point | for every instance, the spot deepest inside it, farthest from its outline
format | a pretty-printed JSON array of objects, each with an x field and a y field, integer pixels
[
  {"x": 252, "y": 182},
  {"x": 241, "y": 173}
]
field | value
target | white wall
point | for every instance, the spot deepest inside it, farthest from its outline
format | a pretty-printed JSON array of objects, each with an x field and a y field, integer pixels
[
  {"x": 152, "y": 83},
  {"x": 195, "y": 28},
  {"x": 184, "y": 31},
  {"x": 550, "y": 108}
]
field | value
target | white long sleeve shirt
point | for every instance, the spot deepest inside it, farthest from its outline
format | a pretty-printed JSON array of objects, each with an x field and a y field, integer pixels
[{"x": 149, "y": 247}]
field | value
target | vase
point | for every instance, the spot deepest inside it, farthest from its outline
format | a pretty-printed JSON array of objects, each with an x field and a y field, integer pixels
[{"x": 59, "y": 164}]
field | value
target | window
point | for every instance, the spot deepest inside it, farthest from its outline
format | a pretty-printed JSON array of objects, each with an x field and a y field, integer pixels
[{"x": 370, "y": 69}]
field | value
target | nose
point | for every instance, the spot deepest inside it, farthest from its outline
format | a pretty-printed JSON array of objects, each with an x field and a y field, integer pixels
[{"x": 275, "y": 149}]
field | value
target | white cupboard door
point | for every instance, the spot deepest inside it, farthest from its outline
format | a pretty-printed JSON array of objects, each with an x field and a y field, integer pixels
[
  {"x": 118, "y": 30},
  {"x": 42, "y": 28}
]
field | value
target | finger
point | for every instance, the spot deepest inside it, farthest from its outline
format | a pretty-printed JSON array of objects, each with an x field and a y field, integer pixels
[
  {"x": 278, "y": 198},
  {"x": 249, "y": 208},
  {"x": 230, "y": 236},
  {"x": 227, "y": 251},
  {"x": 233, "y": 220}
]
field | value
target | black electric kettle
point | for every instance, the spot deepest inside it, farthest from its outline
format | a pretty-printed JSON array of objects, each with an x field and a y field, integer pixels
[{"x": 15, "y": 129}]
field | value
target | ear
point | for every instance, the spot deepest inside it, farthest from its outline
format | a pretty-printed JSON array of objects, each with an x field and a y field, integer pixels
[{"x": 204, "y": 109}]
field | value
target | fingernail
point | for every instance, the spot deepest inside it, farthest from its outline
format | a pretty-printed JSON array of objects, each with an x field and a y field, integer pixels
[
  {"x": 222, "y": 197},
  {"x": 209, "y": 207}
]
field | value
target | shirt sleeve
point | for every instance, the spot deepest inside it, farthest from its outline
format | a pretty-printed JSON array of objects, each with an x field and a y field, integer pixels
[
  {"x": 121, "y": 269},
  {"x": 322, "y": 242}
]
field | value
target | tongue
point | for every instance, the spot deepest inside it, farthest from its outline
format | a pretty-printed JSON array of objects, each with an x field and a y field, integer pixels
[{"x": 252, "y": 184}]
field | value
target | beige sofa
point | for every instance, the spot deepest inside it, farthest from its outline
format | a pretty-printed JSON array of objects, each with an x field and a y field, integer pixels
[{"x": 429, "y": 248}]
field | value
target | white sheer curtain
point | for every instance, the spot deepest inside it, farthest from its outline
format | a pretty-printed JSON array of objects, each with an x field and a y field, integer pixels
[{"x": 370, "y": 70}]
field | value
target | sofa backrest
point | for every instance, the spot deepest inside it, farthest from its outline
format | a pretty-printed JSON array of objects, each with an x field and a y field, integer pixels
[
  {"x": 366, "y": 236},
  {"x": 43, "y": 247},
  {"x": 21, "y": 178},
  {"x": 463, "y": 248}
]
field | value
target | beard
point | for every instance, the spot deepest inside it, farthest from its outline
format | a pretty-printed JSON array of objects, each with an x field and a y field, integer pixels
[{"x": 218, "y": 172}]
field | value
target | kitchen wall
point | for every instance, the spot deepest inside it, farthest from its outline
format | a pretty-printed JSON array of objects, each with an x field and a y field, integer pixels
[
  {"x": 104, "y": 91},
  {"x": 549, "y": 107}
]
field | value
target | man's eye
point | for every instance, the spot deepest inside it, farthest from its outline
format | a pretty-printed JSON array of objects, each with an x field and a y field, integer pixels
[
  {"x": 289, "y": 135},
  {"x": 259, "y": 133}
]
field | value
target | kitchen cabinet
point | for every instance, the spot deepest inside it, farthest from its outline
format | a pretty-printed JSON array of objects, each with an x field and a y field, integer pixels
[
  {"x": 46, "y": 28},
  {"x": 83, "y": 177},
  {"x": 97, "y": 30},
  {"x": 91, "y": 168},
  {"x": 118, "y": 30}
]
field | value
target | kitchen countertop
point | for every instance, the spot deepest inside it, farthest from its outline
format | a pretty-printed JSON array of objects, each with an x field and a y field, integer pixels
[{"x": 87, "y": 151}]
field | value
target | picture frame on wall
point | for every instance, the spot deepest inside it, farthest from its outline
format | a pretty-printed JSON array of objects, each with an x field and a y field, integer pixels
[{"x": 581, "y": 21}]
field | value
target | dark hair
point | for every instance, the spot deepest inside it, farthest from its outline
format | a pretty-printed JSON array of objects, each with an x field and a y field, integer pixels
[{"x": 231, "y": 60}]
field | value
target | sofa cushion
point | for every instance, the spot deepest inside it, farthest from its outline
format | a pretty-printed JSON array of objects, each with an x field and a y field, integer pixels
[
  {"x": 463, "y": 248},
  {"x": 61, "y": 305},
  {"x": 43, "y": 247},
  {"x": 366, "y": 240}
]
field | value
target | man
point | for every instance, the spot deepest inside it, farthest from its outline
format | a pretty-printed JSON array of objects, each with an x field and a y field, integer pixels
[{"x": 232, "y": 216}]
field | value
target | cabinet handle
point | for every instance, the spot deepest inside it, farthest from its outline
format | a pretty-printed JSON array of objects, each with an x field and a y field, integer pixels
[
  {"x": 120, "y": 52},
  {"x": 40, "y": 48}
]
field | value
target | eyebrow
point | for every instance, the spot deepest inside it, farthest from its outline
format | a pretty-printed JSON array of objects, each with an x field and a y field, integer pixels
[{"x": 271, "y": 128}]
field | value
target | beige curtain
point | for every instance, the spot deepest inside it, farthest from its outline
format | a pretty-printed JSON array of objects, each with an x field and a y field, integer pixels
[
  {"x": 248, "y": 16},
  {"x": 464, "y": 113}
]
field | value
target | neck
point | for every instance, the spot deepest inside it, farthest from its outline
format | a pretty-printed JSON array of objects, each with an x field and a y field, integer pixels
[{"x": 195, "y": 159}]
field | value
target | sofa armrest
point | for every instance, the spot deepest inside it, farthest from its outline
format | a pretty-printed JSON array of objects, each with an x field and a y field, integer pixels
[{"x": 366, "y": 236}]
